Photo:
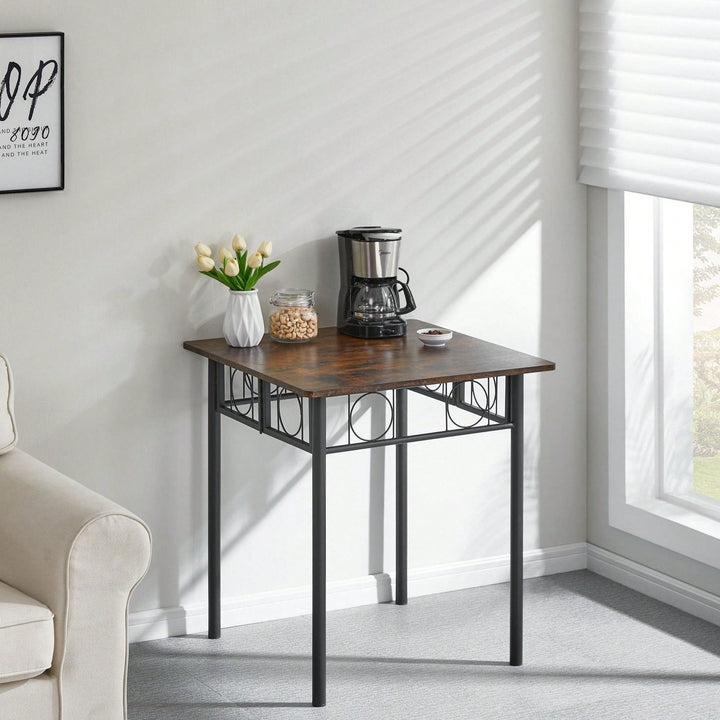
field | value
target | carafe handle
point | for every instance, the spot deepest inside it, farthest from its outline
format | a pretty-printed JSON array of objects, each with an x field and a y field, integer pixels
[{"x": 409, "y": 299}]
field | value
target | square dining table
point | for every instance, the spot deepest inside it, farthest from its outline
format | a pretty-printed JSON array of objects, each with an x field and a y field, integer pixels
[{"x": 470, "y": 377}]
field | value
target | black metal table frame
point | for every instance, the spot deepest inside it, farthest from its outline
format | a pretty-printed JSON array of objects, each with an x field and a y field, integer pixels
[{"x": 253, "y": 406}]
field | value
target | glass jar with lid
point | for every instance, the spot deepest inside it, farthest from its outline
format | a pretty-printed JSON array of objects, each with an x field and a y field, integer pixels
[{"x": 292, "y": 315}]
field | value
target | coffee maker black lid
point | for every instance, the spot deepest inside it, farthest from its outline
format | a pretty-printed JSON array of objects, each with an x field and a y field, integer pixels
[{"x": 371, "y": 232}]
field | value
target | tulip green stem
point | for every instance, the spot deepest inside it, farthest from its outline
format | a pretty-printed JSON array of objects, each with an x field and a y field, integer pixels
[
  {"x": 242, "y": 262},
  {"x": 246, "y": 279}
]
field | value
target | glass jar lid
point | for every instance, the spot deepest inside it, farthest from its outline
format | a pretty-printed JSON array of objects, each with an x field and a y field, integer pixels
[{"x": 293, "y": 297}]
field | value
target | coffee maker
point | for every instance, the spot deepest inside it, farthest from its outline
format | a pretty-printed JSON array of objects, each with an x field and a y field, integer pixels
[{"x": 369, "y": 299}]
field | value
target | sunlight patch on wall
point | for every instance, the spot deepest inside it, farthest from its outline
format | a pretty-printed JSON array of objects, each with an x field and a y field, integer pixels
[{"x": 488, "y": 307}]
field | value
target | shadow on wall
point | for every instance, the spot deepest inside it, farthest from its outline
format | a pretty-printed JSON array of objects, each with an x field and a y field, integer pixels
[
  {"x": 435, "y": 124},
  {"x": 425, "y": 114},
  {"x": 455, "y": 151}
]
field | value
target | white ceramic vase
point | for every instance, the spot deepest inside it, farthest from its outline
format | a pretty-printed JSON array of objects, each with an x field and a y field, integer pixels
[{"x": 243, "y": 325}]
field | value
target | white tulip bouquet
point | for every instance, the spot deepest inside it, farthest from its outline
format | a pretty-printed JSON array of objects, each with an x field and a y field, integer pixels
[{"x": 237, "y": 270}]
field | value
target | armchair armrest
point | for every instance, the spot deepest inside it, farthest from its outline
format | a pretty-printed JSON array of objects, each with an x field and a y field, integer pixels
[{"x": 82, "y": 555}]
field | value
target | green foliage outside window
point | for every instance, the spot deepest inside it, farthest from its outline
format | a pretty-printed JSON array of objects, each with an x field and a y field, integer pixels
[{"x": 706, "y": 353}]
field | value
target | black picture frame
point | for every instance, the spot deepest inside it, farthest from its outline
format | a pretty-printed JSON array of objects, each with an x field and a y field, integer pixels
[{"x": 32, "y": 112}]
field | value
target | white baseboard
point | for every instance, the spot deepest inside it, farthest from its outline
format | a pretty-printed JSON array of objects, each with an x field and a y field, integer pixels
[
  {"x": 493, "y": 570},
  {"x": 259, "y": 607},
  {"x": 655, "y": 584}
]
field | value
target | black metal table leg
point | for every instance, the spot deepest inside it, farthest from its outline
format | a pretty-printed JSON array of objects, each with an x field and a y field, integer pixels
[
  {"x": 318, "y": 448},
  {"x": 216, "y": 396},
  {"x": 515, "y": 397},
  {"x": 401, "y": 529}
]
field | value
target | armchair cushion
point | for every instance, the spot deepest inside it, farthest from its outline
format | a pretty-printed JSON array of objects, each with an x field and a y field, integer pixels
[
  {"x": 8, "y": 430},
  {"x": 81, "y": 555},
  {"x": 26, "y": 636}
]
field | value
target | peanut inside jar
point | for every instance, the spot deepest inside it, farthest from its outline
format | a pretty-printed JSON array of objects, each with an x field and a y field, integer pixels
[
  {"x": 292, "y": 316},
  {"x": 293, "y": 323}
]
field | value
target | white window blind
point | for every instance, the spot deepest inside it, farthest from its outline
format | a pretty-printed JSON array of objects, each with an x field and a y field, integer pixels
[{"x": 650, "y": 97}]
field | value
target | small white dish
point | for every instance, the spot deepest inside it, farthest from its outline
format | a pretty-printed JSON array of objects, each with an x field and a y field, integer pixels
[{"x": 434, "y": 337}]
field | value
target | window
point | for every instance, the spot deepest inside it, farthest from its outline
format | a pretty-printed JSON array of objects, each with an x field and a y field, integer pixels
[
  {"x": 686, "y": 268},
  {"x": 689, "y": 278},
  {"x": 665, "y": 358},
  {"x": 649, "y": 119}
]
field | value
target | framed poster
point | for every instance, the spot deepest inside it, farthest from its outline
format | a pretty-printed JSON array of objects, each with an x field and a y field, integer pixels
[{"x": 32, "y": 79}]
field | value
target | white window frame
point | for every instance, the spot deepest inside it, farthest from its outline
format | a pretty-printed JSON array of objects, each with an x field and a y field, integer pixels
[{"x": 642, "y": 501}]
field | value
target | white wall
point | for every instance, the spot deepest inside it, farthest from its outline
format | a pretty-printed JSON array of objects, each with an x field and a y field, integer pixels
[{"x": 286, "y": 121}]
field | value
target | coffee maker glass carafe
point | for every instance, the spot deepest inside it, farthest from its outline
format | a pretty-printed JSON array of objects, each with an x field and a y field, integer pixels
[
  {"x": 373, "y": 302},
  {"x": 369, "y": 304}
]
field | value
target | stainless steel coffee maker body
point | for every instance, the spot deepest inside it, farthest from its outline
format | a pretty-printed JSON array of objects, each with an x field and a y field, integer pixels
[{"x": 369, "y": 304}]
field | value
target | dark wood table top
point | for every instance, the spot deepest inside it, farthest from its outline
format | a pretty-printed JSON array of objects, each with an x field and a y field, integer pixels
[{"x": 336, "y": 364}]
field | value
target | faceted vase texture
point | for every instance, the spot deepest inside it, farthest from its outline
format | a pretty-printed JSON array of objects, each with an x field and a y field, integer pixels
[{"x": 243, "y": 325}]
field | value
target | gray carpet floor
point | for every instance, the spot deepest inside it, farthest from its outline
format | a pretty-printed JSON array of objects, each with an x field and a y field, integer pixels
[{"x": 593, "y": 650}]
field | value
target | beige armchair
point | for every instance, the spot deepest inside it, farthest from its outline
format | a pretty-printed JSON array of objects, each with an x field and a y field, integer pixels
[{"x": 69, "y": 561}]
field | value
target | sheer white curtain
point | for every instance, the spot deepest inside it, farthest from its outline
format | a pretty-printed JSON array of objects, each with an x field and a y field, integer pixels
[{"x": 650, "y": 97}]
